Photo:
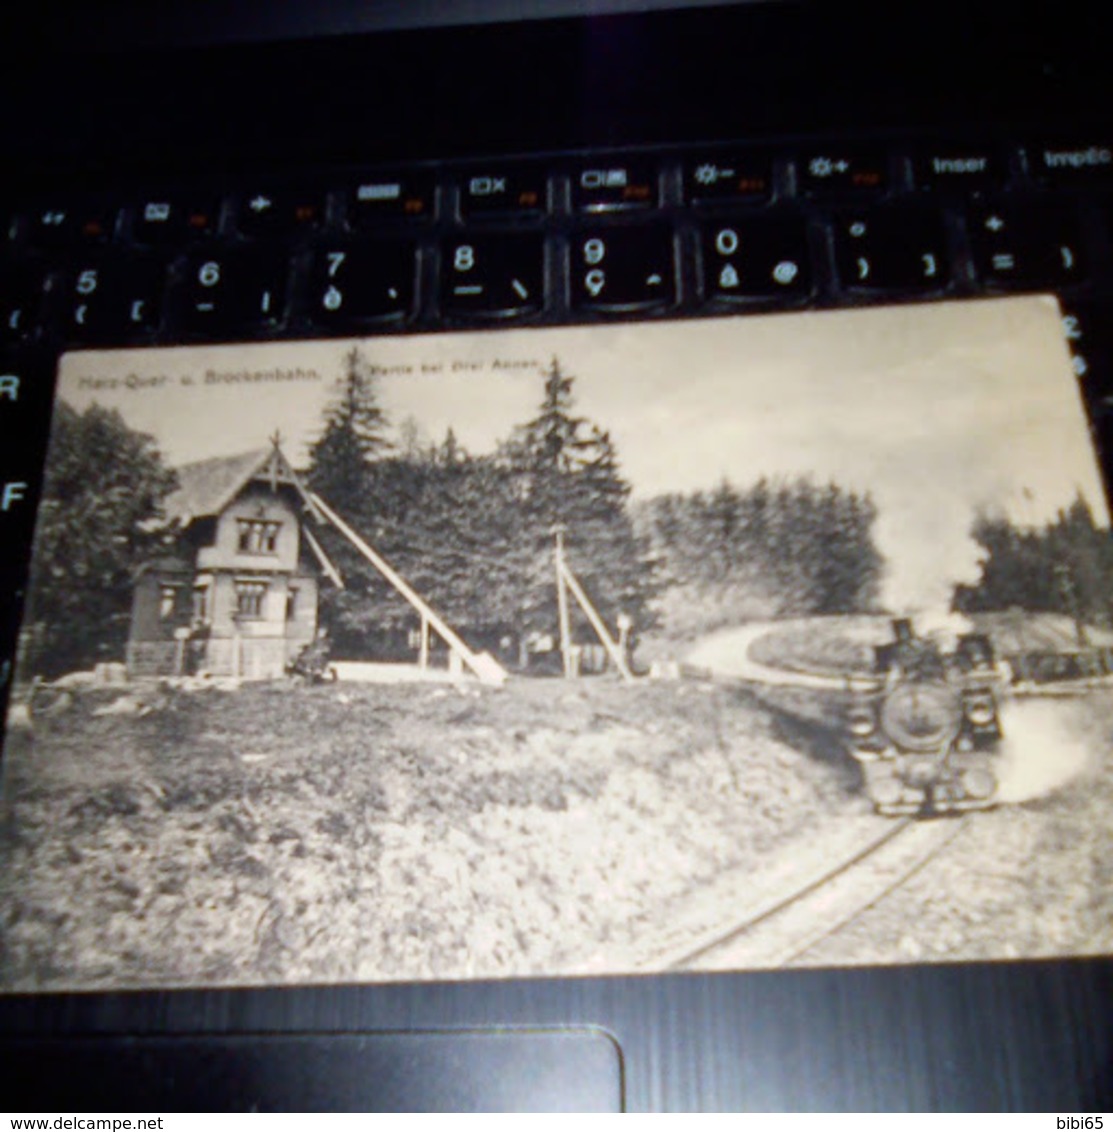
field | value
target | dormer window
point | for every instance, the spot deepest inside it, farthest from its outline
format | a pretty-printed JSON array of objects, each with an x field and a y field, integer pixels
[{"x": 257, "y": 536}]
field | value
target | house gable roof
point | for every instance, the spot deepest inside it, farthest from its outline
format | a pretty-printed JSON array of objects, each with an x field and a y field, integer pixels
[{"x": 207, "y": 487}]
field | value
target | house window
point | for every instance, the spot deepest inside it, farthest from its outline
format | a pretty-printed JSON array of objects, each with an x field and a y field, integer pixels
[
  {"x": 167, "y": 602},
  {"x": 292, "y": 603},
  {"x": 258, "y": 536},
  {"x": 249, "y": 598},
  {"x": 201, "y": 603}
]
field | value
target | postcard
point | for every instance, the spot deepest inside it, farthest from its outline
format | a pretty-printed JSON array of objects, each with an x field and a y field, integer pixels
[{"x": 735, "y": 643}]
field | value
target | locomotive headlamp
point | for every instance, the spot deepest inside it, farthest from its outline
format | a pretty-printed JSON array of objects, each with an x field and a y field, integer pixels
[
  {"x": 861, "y": 722},
  {"x": 980, "y": 710}
]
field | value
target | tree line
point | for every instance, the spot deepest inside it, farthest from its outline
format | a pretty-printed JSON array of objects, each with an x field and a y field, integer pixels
[
  {"x": 775, "y": 548},
  {"x": 1064, "y": 566}
]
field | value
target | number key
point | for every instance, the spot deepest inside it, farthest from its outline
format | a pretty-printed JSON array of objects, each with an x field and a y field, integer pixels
[
  {"x": 365, "y": 281},
  {"x": 751, "y": 258},
  {"x": 112, "y": 298},
  {"x": 623, "y": 268},
  {"x": 493, "y": 275},
  {"x": 235, "y": 290}
]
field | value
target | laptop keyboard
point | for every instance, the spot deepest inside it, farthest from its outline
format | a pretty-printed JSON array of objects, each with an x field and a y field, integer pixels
[{"x": 542, "y": 240}]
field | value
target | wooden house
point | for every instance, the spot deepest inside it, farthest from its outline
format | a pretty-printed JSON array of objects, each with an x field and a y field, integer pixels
[{"x": 238, "y": 594}]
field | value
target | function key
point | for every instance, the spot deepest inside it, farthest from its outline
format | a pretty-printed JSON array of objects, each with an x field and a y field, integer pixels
[
  {"x": 727, "y": 178},
  {"x": 960, "y": 168},
  {"x": 1033, "y": 244},
  {"x": 845, "y": 170},
  {"x": 66, "y": 225},
  {"x": 756, "y": 257},
  {"x": 493, "y": 276},
  {"x": 405, "y": 196},
  {"x": 891, "y": 249},
  {"x": 163, "y": 220},
  {"x": 606, "y": 186},
  {"x": 623, "y": 268},
  {"x": 492, "y": 192},
  {"x": 1073, "y": 165},
  {"x": 267, "y": 214},
  {"x": 233, "y": 290},
  {"x": 353, "y": 282}
]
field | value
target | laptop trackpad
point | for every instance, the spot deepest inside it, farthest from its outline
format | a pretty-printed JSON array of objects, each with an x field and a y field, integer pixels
[{"x": 528, "y": 1070}]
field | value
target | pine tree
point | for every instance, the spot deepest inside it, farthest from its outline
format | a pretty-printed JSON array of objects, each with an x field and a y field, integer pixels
[
  {"x": 347, "y": 468},
  {"x": 568, "y": 478},
  {"x": 353, "y": 438}
]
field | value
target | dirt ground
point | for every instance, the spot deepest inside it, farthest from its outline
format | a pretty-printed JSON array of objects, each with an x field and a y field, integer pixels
[{"x": 279, "y": 834}]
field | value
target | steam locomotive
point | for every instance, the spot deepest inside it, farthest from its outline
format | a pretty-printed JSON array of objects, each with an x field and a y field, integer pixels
[{"x": 925, "y": 726}]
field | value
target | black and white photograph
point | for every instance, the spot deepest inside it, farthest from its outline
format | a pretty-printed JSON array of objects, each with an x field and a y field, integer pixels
[{"x": 746, "y": 643}]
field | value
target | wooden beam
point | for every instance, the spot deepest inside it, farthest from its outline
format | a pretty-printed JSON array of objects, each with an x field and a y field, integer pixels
[
  {"x": 322, "y": 558},
  {"x": 613, "y": 650},
  {"x": 484, "y": 666}
]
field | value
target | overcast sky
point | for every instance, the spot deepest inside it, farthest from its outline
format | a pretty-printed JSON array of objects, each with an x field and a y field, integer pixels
[{"x": 935, "y": 409}]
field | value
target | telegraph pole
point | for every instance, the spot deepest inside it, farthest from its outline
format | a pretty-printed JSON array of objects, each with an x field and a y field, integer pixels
[{"x": 562, "y": 603}]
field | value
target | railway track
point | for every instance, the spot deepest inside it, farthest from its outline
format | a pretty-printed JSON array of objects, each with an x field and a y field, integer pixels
[{"x": 783, "y": 930}]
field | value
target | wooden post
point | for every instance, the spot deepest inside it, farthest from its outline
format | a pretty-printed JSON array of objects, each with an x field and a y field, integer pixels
[
  {"x": 423, "y": 653},
  {"x": 562, "y": 606},
  {"x": 613, "y": 650}
]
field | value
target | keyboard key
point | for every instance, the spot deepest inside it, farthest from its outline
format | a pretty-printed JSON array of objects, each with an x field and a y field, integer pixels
[
  {"x": 727, "y": 178},
  {"x": 25, "y": 402},
  {"x": 1027, "y": 244},
  {"x": 355, "y": 282},
  {"x": 756, "y": 257},
  {"x": 56, "y": 226},
  {"x": 226, "y": 291},
  {"x": 842, "y": 170},
  {"x": 608, "y": 186},
  {"x": 623, "y": 268},
  {"x": 107, "y": 299},
  {"x": 21, "y": 292},
  {"x": 266, "y": 214},
  {"x": 1088, "y": 327},
  {"x": 891, "y": 249},
  {"x": 1073, "y": 165},
  {"x": 389, "y": 197},
  {"x": 516, "y": 190},
  {"x": 160, "y": 221},
  {"x": 962, "y": 169},
  {"x": 492, "y": 275}
]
